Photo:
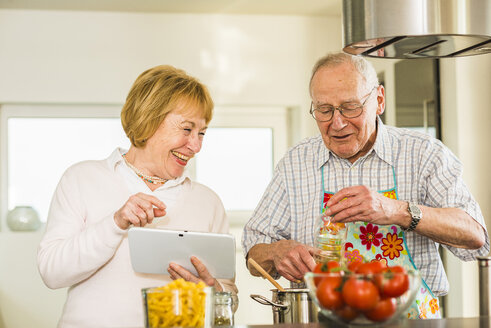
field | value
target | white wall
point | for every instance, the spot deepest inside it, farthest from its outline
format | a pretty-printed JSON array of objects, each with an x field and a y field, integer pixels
[
  {"x": 94, "y": 57},
  {"x": 466, "y": 119}
]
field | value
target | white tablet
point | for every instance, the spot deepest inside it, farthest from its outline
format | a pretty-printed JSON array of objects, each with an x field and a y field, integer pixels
[{"x": 152, "y": 249}]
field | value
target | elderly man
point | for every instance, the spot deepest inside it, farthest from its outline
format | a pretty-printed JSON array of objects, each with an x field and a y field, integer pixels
[{"x": 402, "y": 191}]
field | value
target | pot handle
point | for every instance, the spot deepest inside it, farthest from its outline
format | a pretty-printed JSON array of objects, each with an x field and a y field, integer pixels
[{"x": 263, "y": 300}]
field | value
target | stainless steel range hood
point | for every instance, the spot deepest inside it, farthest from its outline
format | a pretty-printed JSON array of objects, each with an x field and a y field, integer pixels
[{"x": 417, "y": 28}]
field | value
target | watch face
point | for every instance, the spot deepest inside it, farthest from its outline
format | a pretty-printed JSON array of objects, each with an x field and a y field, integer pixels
[{"x": 414, "y": 209}]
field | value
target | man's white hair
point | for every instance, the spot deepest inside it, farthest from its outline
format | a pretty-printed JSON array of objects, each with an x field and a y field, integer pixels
[{"x": 363, "y": 66}]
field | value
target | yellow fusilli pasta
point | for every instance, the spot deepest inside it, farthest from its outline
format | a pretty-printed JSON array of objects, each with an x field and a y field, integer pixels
[{"x": 179, "y": 303}]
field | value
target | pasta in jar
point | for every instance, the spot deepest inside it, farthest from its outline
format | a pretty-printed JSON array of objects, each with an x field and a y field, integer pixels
[{"x": 179, "y": 303}]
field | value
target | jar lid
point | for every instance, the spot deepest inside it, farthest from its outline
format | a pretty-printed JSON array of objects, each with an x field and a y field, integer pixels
[{"x": 223, "y": 298}]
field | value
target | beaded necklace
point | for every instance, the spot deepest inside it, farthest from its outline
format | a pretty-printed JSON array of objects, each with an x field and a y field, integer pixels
[{"x": 148, "y": 178}]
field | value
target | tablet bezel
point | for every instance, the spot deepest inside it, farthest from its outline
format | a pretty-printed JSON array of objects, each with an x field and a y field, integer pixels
[{"x": 178, "y": 246}]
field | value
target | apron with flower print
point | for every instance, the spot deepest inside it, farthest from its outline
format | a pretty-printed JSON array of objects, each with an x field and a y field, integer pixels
[{"x": 387, "y": 243}]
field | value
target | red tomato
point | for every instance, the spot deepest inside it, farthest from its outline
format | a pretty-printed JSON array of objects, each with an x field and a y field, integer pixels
[
  {"x": 331, "y": 265},
  {"x": 360, "y": 294},
  {"x": 323, "y": 268},
  {"x": 371, "y": 267},
  {"x": 383, "y": 310},
  {"x": 346, "y": 313},
  {"x": 329, "y": 292},
  {"x": 352, "y": 266},
  {"x": 317, "y": 270},
  {"x": 392, "y": 281}
]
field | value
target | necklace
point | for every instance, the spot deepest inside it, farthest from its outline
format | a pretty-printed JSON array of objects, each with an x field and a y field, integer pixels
[{"x": 148, "y": 178}]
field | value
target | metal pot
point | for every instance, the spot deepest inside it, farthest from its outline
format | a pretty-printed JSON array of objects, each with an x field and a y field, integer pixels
[{"x": 290, "y": 306}]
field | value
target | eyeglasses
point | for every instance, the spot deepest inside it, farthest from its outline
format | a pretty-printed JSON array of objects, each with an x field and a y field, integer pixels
[{"x": 324, "y": 113}]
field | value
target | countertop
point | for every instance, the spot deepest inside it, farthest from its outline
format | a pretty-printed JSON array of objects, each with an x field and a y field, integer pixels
[{"x": 479, "y": 322}]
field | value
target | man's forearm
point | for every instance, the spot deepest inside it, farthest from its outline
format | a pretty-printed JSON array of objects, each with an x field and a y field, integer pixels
[{"x": 451, "y": 226}]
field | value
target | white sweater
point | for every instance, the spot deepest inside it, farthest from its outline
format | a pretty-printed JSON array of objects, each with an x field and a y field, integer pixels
[{"x": 85, "y": 250}]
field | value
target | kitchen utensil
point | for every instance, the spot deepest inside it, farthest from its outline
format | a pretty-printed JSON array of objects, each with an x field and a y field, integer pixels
[
  {"x": 290, "y": 306},
  {"x": 265, "y": 274}
]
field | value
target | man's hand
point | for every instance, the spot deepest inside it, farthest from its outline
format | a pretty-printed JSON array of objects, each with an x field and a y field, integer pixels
[
  {"x": 360, "y": 203},
  {"x": 289, "y": 258},
  {"x": 293, "y": 260}
]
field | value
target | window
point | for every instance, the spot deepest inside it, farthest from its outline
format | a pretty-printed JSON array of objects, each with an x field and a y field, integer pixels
[
  {"x": 37, "y": 159},
  {"x": 39, "y": 142},
  {"x": 241, "y": 148},
  {"x": 237, "y": 163}
]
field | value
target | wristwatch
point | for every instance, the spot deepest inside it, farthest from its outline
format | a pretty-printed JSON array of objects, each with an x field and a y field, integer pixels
[{"x": 416, "y": 215}]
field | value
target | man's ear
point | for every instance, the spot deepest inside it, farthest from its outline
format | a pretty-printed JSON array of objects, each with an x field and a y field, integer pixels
[{"x": 380, "y": 100}]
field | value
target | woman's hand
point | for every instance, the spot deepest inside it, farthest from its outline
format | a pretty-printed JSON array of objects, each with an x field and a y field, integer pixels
[
  {"x": 139, "y": 210},
  {"x": 176, "y": 271}
]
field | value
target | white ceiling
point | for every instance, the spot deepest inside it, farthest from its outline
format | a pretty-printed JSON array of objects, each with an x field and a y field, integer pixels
[{"x": 249, "y": 7}]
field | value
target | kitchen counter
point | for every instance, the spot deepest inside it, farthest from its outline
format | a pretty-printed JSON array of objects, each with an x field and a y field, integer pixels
[{"x": 479, "y": 322}]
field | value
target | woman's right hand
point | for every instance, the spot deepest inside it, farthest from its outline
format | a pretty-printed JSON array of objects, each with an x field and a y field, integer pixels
[{"x": 139, "y": 210}]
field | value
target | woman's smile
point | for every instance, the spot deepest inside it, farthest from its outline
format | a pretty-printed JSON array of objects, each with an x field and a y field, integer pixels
[{"x": 181, "y": 158}]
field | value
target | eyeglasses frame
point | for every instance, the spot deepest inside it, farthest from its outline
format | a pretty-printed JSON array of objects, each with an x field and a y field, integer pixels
[{"x": 340, "y": 109}]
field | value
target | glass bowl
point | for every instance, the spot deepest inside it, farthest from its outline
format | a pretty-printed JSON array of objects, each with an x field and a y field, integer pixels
[
  {"x": 178, "y": 304},
  {"x": 361, "y": 299}
]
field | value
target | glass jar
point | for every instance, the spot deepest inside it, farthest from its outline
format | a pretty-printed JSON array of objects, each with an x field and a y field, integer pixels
[
  {"x": 178, "y": 304},
  {"x": 224, "y": 315},
  {"x": 329, "y": 239}
]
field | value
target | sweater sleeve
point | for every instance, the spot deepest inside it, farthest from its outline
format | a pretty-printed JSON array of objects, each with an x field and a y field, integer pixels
[{"x": 71, "y": 250}]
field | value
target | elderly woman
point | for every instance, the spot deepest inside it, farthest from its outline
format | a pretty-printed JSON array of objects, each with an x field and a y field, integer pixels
[{"x": 85, "y": 246}]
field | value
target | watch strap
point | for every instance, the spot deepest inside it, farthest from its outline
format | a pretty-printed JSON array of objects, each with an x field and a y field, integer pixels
[{"x": 416, "y": 214}]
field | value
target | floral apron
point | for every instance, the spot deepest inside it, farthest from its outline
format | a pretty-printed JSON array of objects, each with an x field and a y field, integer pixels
[{"x": 386, "y": 243}]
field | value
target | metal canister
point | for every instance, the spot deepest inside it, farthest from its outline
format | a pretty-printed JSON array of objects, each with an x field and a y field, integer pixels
[{"x": 484, "y": 263}]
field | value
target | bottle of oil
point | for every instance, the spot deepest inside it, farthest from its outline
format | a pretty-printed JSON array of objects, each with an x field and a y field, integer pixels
[{"x": 329, "y": 239}]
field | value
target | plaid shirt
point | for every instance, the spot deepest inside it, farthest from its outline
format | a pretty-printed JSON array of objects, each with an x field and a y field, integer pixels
[{"x": 426, "y": 172}]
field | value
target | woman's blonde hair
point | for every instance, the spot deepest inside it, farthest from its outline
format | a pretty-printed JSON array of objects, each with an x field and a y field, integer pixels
[{"x": 155, "y": 93}]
